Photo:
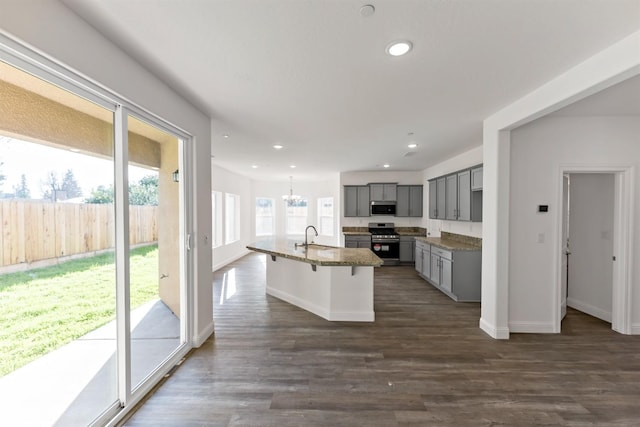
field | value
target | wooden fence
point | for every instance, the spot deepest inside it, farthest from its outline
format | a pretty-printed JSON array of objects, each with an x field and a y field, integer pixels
[{"x": 36, "y": 230}]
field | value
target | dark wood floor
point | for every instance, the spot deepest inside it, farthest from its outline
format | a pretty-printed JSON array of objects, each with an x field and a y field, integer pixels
[{"x": 424, "y": 362}]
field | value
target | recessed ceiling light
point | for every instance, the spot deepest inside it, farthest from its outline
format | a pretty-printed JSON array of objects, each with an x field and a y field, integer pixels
[
  {"x": 399, "y": 48},
  {"x": 278, "y": 146},
  {"x": 412, "y": 145},
  {"x": 386, "y": 165},
  {"x": 225, "y": 136},
  {"x": 292, "y": 166},
  {"x": 254, "y": 166},
  {"x": 367, "y": 10}
]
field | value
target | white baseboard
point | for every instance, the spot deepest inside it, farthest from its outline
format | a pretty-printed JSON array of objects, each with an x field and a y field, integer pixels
[
  {"x": 635, "y": 329},
  {"x": 332, "y": 316},
  {"x": 199, "y": 339},
  {"x": 532, "y": 327},
  {"x": 501, "y": 333},
  {"x": 589, "y": 309},
  {"x": 221, "y": 264}
]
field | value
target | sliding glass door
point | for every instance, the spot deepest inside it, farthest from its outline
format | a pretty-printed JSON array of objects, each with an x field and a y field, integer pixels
[
  {"x": 93, "y": 250},
  {"x": 156, "y": 274}
]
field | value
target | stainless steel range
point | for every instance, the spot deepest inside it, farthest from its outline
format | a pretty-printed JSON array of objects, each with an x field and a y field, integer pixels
[{"x": 385, "y": 242}]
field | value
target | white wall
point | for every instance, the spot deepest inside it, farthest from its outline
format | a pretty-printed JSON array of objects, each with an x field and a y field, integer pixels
[
  {"x": 592, "y": 198},
  {"x": 52, "y": 28},
  {"x": 364, "y": 178},
  {"x": 434, "y": 227},
  {"x": 538, "y": 150},
  {"x": 310, "y": 190},
  {"x": 614, "y": 64},
  {"x": 228, "y": 182}
]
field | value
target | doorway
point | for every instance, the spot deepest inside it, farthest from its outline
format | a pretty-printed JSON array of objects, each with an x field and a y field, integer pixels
[
  {"x": 593, "y": 241},
  {"x": 588, "y": 262}
]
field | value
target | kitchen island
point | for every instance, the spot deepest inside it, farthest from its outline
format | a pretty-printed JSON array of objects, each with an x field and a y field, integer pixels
[{"x": 331, "y": 282}]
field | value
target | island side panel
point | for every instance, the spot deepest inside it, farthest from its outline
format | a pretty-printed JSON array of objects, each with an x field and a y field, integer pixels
[
  {"x": 296, "y": 283},
  {"x": 351, "y": 295},
  {"x": 330, "y": 292}
]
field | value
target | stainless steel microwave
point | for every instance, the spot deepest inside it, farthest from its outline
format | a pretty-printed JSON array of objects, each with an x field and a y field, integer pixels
[{"x": 383, "y": 208}]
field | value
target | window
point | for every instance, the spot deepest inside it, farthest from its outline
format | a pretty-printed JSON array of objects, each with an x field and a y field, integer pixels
[
  {"x": 325, "y": 216},
  {"x": 265, "y": 216},
  {"x": 232, "y": 218},
  {"x": 216, "y": 209},
  {"x": 297, "y": 216}
]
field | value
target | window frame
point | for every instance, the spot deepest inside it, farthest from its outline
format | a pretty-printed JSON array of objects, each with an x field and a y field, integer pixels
[{"x": 272, "y": 216}]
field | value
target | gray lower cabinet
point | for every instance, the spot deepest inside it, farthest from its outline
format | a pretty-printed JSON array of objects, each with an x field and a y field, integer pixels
[
  {"x": 422, "y": 258},
  {"x": 357, "y": 241},
  {"x": 418, "y": 256},
  {"x": 426, "y": 260},
  {"x": 456, "y": 273},
  {"x": 407, "y": 249}
]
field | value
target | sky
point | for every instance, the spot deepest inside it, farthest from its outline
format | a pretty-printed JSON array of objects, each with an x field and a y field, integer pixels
[{"x": 37, "y": 160}]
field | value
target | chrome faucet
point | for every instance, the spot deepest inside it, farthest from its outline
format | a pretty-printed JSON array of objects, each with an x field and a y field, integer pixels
[
  {"x": 306, "y": 232},
  {"x": 306, "y": 245}
]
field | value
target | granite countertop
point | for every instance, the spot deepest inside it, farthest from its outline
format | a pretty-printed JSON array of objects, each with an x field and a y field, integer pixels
[
  {"x": 449, "y": 244},
  {"x": 356, "y": 233},
  {"x": 317, "y": 254}
]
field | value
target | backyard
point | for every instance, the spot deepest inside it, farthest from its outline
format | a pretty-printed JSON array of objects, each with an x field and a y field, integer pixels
[{"x": 43, "y": 309}]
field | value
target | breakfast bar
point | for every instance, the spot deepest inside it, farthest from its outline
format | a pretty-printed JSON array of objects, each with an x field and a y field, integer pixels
[{"x": 331, "y": 282}]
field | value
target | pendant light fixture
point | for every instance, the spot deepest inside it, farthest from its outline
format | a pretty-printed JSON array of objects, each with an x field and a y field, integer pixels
[{"x": 291, "y": 199}]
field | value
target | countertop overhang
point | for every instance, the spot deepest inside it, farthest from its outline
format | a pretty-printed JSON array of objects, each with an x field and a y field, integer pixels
[{"x": 317, "y": 254}]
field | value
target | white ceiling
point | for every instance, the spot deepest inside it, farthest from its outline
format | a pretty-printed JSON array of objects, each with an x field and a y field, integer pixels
[{"x": 313, "y": 75}]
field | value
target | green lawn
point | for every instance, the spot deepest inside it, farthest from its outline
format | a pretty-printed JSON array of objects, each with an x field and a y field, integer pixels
[{"x": 45, "y": 308}]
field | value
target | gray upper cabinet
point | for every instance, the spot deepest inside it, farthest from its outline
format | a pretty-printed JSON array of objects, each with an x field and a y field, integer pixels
[
  {"x": 464, "y": 196},
  {"x": 441, "y": 208},
  {"x": 433, "y": 199},
  {"x": 476, "y": 179},
  {"x": 451, "y": 201},
  {"x": 383, "y": 192},
  {"x": 457, "y": 196},
  {"x": 356, "y": 200},
  {"x": 409, "y": 200}
]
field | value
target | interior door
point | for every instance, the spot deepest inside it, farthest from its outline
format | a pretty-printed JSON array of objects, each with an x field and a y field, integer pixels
[{"x": 565, "y": 247}]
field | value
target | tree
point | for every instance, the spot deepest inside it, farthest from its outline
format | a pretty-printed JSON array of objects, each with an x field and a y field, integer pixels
[
  {"x": 21, "y": 191},
  {"x": 70, "y": 185},
  {"x": 145, "y": 192},
  {"x": 55, "y": 190},
  {"x": 101, "y": 195},
  {"x": 51, "y": 187}
]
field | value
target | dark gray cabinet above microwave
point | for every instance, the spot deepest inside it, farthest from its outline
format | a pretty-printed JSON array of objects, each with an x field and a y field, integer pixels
[{"x": 383, "y": 192}]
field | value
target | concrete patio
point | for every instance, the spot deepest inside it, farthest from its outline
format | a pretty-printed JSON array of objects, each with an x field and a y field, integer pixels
[{"x": 72, "y": 385}]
